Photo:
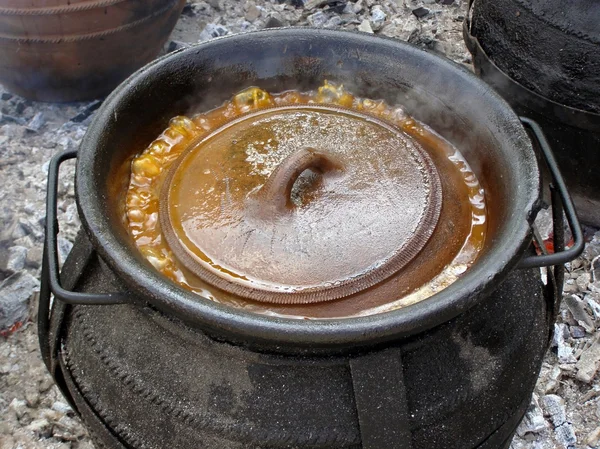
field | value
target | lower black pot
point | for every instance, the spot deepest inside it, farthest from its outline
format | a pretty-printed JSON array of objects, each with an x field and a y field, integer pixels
[{"x": 142, "y": 380}]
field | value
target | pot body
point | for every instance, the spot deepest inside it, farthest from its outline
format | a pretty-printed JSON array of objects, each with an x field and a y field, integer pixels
[
  {"x": 142, "y": 380},
  {"x": 453, "y": 371},
  {"x": 71, "y": 51},
  {"x": 545, "y": 61},
  {"x": 462, "y": 109}
]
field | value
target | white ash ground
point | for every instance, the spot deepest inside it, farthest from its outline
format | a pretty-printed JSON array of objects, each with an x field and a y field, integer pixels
[{"x": 565, "y": 412}]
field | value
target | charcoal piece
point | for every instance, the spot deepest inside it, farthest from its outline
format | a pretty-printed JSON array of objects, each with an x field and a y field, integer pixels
[
  {"x": 420, "y": 12},
  {"x": 87, "y": 111},
  {"x": 273, "y": 22},
  {"x": 15, "y": 292},
  {"x": 176, "y": 45},
  {"x": 37, "y": 122},
  {"x": 589, "y": 362},
  {"x": 188, "y": 10}
]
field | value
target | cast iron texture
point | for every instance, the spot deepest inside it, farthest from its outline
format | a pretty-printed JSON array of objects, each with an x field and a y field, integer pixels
[
  {"x": 549, "y": 48},
  {"x": 131, "y": 370},
  {"x": 66, "y": 50},
  {"x": 544, "y": 59},
  {"x": 451, "y": 100}
]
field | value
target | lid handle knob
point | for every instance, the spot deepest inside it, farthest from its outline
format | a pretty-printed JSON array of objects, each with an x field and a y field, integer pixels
[{"x": 277, "y": 191}]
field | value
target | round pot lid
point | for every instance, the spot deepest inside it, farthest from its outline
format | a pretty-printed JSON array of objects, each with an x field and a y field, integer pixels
[{"x": 300, "y": 204}]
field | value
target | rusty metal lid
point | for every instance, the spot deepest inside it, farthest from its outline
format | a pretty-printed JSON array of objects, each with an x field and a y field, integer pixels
[{"x": 300, "y": 204}]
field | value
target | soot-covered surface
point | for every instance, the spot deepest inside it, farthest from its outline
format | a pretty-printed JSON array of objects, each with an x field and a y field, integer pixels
[{"x": 565, "y": 411}]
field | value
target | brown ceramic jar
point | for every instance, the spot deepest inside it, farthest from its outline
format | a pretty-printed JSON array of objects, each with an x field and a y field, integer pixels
[{"x": 70, "y": 50}]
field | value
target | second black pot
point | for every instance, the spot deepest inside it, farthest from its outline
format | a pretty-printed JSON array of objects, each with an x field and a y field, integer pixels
[{"x": 544, "y": 59}]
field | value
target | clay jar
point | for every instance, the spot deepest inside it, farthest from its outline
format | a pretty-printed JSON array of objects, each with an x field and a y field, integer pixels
[{"x": 61, "y": 50}]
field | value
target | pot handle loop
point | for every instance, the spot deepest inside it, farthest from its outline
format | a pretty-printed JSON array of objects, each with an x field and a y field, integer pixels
[
  {"x": 560, "y": 199},
  {"x": 50, "y": 281}
]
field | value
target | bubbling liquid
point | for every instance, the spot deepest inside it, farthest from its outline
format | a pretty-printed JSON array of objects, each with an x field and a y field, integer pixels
[{"x": 149, "y": 171}]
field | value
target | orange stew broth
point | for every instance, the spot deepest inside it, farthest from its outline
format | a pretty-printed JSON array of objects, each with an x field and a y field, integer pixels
[{"x": 149, "y": 168}]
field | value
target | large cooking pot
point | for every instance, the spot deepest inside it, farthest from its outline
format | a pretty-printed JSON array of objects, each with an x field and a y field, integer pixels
[
  {"x": 544, "y": 59},
  {"x": 158, "y": 366}
]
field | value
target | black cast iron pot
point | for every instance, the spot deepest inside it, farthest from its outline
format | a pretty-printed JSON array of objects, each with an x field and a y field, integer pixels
[
  {"x": 157, "y": 366},
  {"x": 544, "y": 59}
]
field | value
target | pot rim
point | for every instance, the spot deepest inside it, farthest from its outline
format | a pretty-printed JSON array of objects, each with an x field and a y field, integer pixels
[{"x": 238, "y": 325}]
